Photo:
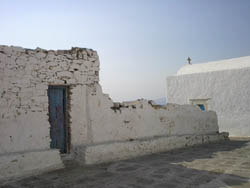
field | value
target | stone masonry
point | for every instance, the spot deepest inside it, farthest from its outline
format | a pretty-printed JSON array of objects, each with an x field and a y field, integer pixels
[
  {"x": 98, "y": 129},
  {"x": 25, "y": 75}
]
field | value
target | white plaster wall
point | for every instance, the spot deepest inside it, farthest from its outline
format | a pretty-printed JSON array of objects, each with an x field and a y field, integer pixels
[
  {"x": 79, "y": 125},
  {"x": 24, "y": 79},
  {"x": 142, "y": 120},
  {"x": 25, "y": 133},
  {"x": 128, "y": 149},
  {"x": 29, "y": 163},
  {"x": 94, "y": 118},
  {"x": 119, "y": 131},
  {"x": 228, "y": 92},
  {"x": 25, "y": 75}
]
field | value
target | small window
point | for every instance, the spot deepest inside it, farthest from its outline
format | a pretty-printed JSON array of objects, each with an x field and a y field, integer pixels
[
  {"x": 202, "y": 107},
  {"x": 201, "y": 103}
]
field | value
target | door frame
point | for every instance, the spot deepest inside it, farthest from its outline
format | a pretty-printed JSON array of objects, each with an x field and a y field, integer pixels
[{"x": 66, "y": 114}]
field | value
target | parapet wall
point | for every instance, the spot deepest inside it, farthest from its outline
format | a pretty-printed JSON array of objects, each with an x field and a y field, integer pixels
[
  {"x": 129, "y": 129},
  {"x": 142, "y": 119}
]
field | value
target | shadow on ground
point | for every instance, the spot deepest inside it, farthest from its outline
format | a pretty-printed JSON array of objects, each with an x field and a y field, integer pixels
[{"x": 225, "y": 164}]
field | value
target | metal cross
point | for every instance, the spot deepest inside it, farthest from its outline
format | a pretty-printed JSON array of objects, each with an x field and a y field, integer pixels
[{"x": 189, "y": 60}]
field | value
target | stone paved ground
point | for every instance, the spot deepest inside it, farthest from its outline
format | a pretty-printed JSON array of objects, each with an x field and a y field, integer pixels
[{"x": 225, "y": 164}]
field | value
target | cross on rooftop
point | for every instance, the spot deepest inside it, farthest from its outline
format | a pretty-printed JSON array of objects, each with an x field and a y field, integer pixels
[{"x": 189, "y": 60}]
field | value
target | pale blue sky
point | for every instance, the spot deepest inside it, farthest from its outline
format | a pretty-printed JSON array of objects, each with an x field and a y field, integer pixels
[{"x": 140, "y": 42}]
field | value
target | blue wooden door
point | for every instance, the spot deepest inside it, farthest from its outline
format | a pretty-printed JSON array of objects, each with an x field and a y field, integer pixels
[{"x": 57, "y": 118}]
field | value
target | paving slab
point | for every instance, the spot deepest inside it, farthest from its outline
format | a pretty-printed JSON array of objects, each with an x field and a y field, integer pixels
[{"x": 219, "y": 165}]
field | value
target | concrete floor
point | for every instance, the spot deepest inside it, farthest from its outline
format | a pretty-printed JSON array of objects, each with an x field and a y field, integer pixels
[{"x": 225, "y": 164}]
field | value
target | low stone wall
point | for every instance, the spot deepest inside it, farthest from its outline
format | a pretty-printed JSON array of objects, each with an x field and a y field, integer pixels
[
  {"x": 113, "y": 151},
  {"x": 129, "y": 129},
  {"x": 139, "y": 119}
]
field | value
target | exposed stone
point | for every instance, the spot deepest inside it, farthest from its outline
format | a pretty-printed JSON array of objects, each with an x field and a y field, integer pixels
[
  {"x": 99, "y": 129},
  {"x": 40, "y": 55},
  {"x": 64, "y": 74}
]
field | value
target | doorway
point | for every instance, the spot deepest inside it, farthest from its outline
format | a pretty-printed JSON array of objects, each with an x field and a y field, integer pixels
[{"x": 58, "y": 118}]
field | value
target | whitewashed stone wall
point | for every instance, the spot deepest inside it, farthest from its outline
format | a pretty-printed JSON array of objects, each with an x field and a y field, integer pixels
[
  {"x": 100, "y": 130},
  {"x": 24, "y": 79},
  {"x": 140, "y": 119},
  {"x": 123, "y": 130}
]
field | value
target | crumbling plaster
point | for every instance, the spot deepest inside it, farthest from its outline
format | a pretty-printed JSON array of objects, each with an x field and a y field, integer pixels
[
  {"x": 142, "y": 119},
  {"x": 25, "y": 75},
  {"x": 129, "y": 129},
  {"x": 100, "y": 130}
]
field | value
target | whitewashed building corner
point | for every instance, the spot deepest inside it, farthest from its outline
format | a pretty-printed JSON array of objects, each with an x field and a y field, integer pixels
[{"x": 222, "y": 86}]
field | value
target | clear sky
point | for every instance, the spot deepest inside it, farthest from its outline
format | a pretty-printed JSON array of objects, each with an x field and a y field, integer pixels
[{"x": 140, "y": 42}]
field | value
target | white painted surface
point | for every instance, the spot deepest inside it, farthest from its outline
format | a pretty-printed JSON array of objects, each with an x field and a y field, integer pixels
[
  {"x": 27, "y": 163},
  {"x": 143, "y": 120},
  {"x": 227, "y": 64},
  {"x": 124, "y": 150},
  {"x": 25, "y": 75},
  {"x": 94, "y": 119},
  {"x": 228, "y": 93},
  {"x": 79, "y": 123},
  {"x": 25, "y": 133},
  {"x": 125, "y": 130}
]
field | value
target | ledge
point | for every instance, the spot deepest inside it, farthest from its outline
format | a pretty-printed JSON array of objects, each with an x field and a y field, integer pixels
[{"x": 113, "y": 151}]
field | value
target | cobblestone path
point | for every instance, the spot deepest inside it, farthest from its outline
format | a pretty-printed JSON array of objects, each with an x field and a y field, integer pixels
[{"x": 225, "y": 164}]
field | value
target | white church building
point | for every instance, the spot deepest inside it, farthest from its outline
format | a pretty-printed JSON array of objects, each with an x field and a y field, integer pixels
[{"x": 222, "y": 86}]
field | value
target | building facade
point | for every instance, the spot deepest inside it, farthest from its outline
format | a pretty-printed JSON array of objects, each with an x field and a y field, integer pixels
[{"x": 221, "y": 86}]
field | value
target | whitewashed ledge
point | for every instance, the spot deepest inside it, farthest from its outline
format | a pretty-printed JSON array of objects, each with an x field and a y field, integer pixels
[{"x": 114, "y": 151}]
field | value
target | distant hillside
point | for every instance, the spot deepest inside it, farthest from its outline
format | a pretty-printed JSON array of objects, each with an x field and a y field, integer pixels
[{"x": 160, "y": 101}]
